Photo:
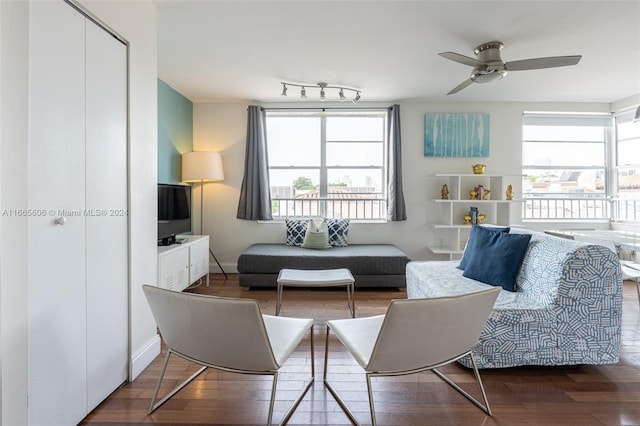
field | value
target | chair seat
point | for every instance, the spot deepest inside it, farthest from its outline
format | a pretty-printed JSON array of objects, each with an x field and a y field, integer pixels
[
  {"x": 285, "y": 334},
  {"x": 629, "y": 273},
  {"x": 358, "y": 335}
]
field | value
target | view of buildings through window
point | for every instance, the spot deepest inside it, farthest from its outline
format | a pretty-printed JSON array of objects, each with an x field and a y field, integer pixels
[
  {"x": 570, "y": 163},
  {"x": 626, "y": 205},
  {"x": 327, "y": 164}
]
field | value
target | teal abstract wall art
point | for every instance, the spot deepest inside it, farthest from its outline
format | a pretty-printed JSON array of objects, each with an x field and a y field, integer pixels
[{"x": 456, "y": 135}]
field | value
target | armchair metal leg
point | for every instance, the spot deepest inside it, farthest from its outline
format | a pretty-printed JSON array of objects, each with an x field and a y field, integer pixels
[
  {"x": 328, "y": 385},
  {"x": 154, "y": 406},
  {"x": 304, "y": 391},
  {"x": 484, "y": 407},
  {"x": 371, "y": 407}
]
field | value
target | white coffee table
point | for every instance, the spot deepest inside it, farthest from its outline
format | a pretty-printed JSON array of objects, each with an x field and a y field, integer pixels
[{"x": 317, "y": 278}]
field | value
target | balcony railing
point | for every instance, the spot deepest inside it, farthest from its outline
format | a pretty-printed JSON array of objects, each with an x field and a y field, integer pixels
[
  {"x": 374, "y": 209},
  {"x": 565, "y": 208},
  {"x": 626, "y": 209}
]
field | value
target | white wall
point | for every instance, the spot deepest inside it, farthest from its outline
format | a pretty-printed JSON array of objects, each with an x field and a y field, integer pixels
[
  {"x": 222, "y": 127},
  {"x": 136, "y": 22}
]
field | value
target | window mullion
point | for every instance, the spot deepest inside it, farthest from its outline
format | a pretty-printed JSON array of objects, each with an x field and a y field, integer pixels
[{"x": 323, "y": 167}]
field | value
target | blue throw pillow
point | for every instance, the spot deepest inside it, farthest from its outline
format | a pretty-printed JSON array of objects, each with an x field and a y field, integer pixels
[
  {"x": 338, "y": 232},
  {"x": 470, "y": 249},
  {"x": 296, "y": 230},
  {"x": 497, "y": 259}
]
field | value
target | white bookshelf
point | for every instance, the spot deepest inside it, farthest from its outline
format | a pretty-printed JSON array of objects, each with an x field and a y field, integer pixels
[{"x": 451, "y": 233}]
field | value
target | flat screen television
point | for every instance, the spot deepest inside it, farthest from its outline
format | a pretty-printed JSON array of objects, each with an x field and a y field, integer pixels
[{"x": 174, "y": 212}]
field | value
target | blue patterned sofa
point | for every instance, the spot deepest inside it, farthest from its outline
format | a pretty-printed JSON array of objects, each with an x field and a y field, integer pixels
[{"x": 567, "y": 307}]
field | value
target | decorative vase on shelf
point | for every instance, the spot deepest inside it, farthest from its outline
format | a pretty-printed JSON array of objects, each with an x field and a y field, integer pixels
[
  {"x": 444, "y": 193},
  {"x": 468, "y": 220},
  {"x": 479, "y": 193},
  {"x": 478, "y": 169},
  {"x": 509, "y": 192}
]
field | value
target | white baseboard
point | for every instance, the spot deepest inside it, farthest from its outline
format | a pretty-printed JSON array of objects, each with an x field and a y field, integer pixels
[{"x": 142, "y": 359}]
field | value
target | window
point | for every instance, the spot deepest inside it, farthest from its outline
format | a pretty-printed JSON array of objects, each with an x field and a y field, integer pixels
[
  {"x": 626, "y": 201},
  {"x": 564, "y": 159},
  {"x": 327, "y": 164}
]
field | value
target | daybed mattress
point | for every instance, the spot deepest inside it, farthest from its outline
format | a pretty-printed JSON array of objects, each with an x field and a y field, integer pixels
[{"x": 370, "y": 264}]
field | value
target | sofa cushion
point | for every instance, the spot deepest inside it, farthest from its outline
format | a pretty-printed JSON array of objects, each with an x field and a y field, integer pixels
[
  {"x": 338, "y": 232},
  {"x": 317, "y": 236},
  {"x": 296, "y": 230},
  {"x": 497, "y": 259},
  {"x": 471, "y": 249}
]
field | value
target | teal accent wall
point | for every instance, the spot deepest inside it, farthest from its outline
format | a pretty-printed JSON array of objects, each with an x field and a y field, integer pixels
[{"x": 175, "y": 132}]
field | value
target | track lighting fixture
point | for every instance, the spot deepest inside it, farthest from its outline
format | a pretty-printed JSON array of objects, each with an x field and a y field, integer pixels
[{"x": 322, "y": 87}]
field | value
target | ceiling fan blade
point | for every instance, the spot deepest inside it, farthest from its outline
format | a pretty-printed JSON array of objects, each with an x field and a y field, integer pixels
[
  {"x": 460, "y": 86},
  {"x": 456, "y": 57},
  {"x": 538, "y": 63}
]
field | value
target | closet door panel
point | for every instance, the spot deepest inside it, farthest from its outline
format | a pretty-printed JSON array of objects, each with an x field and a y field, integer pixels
[
  {"x": 57, "y": 296},
  {"x": 106, "y": 218}
]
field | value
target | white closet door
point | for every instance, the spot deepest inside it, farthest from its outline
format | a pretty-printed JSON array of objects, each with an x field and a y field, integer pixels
[
  {"x": 106, "y": 219},
  {"x": 57, "y": 273}
]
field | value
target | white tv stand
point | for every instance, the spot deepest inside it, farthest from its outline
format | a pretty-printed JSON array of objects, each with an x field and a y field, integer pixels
[{"x": 181, "y": 265}]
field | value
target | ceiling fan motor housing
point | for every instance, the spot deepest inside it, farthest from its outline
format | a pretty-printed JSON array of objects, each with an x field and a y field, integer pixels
[{"x": 492, "y": 67}]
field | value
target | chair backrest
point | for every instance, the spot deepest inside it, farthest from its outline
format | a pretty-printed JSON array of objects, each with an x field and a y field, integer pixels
[
  {"x": 218, "y": 331},
  {"x": 417, "y": 333}
]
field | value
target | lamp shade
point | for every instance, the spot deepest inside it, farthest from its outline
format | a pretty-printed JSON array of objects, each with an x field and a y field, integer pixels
[{"x": 202, "y": 166}]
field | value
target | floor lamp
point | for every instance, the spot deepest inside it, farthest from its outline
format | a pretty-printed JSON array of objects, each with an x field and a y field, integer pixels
[{"x": 203, "y": 167}]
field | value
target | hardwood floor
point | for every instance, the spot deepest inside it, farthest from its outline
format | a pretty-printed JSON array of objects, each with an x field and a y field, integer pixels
[{"x": 573, "y": 395}]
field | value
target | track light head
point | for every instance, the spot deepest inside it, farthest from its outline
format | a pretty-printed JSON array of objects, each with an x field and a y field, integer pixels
[
  {"x": 284, "y": 90},
  {"x": 322, "y": 86},
  {"x": 303, "y": 93}
]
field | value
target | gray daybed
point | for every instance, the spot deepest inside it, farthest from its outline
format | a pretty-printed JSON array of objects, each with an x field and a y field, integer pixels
[{"x": 372, "y": 265}]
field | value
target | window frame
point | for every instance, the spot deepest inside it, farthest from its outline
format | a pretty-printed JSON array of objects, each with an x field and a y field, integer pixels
[
  {"x": 324, "y": 169},
  {"x": 623, "y": 203},
  {"x": 561, "y": 200}
]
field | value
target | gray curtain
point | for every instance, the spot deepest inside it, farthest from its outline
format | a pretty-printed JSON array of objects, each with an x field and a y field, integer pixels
[
  {"x": 396, "y": 210},
  {"x": 255, "y": 197}
]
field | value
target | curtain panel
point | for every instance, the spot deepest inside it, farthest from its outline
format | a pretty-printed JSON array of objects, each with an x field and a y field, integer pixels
[
  {"x": 396, "y": 210},
  {"x": 255, "y": 196}
]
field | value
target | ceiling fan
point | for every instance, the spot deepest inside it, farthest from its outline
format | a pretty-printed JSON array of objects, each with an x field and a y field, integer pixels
[{"x": 489, "y": 66}]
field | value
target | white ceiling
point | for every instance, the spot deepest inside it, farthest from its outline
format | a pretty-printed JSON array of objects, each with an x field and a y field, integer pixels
[{"x": 230, "y": 50}]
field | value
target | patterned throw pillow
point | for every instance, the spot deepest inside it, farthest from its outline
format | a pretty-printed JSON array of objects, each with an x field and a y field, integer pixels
[
  {"x": 338, "y": 232},
  {"x": 296, "y": 230}
]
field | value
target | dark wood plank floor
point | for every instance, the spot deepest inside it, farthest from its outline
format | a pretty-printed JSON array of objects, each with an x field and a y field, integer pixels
[{"x": 573, "y": 395}]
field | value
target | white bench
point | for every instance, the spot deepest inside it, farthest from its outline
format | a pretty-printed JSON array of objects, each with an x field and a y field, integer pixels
[{"x": 317, "y": 278}]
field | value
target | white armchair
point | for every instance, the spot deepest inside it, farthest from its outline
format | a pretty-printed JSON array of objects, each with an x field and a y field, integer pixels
[
  {"x": 226, "y": 334},
  {"x": 415, "y": 335}
]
